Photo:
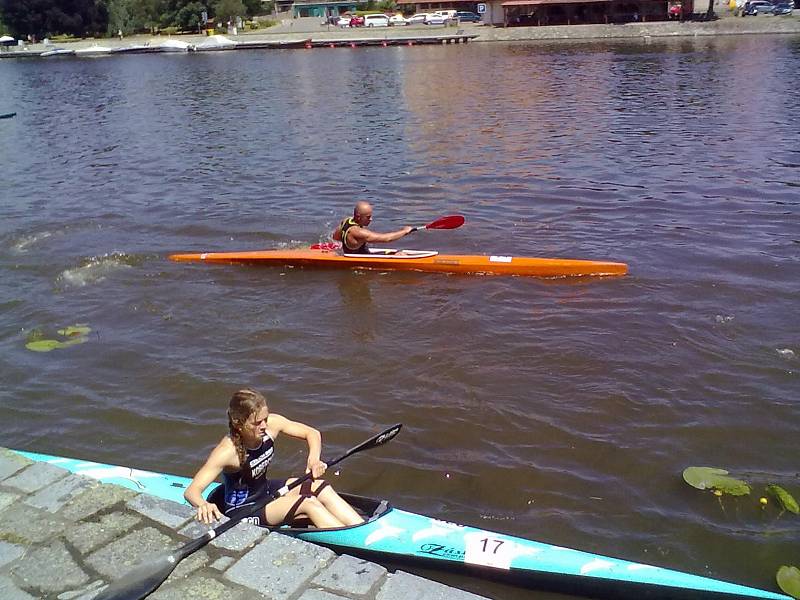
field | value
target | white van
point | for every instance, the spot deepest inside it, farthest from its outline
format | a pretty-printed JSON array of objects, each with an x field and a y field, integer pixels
[
  {"x": 448, "y": 14},
  {"x": 376, "y": 21}
]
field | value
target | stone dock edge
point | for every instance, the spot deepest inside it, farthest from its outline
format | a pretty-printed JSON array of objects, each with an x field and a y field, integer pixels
[{"x": 65, "y": 537}]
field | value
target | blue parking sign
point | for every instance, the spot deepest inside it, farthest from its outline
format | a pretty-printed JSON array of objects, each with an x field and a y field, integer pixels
[{"x": 481, "y": 8}]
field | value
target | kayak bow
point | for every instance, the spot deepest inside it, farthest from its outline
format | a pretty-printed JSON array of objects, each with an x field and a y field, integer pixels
[
  {"x": 397, "y": 535},
  {"x": 414, "y": 260}
]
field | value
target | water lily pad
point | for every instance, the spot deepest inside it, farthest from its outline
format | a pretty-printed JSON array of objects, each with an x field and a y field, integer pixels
[
  {"x": 73, "y": 341},
  {"x": 43, "y": 345},
  {"x": 72, "y": 330},
  {"x": 711, "y": 478},
  {"x": 35, "y": 334},
  {"x": 788, "y": 579},
  {"x": 74, "y": 334},
  {"x": 784, "y": 498}
]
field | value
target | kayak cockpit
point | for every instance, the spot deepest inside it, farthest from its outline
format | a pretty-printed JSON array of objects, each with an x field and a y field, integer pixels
[
  {"x": 368, "y": 508},
  {"x": 395, "y": 253}
]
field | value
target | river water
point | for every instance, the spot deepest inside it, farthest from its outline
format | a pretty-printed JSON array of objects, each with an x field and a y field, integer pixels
[{"x": 562, "y": 410}]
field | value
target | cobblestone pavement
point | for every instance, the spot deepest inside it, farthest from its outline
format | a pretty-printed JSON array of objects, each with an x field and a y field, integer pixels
[{"x": 65, "y": 536}]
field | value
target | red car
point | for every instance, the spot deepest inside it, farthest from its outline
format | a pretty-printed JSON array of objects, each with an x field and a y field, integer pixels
[{"x": 356, "y": 21}]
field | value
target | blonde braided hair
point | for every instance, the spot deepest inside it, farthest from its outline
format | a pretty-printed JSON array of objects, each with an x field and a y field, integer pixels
[{"x": 243, "y": 403}]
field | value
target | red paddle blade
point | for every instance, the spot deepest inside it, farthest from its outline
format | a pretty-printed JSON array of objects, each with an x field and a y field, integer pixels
[{"x": 451, "y": 222}]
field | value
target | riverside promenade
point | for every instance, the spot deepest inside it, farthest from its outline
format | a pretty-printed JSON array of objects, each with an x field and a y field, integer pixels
[
  {"x": 726, "y": 24},
  {"x": 65, "y": 536},
  {"x": 320, "y": 35}
]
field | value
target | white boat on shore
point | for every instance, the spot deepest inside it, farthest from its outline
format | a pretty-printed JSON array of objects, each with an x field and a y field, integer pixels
[
  {"x": 57, "y": 52},
  {"x": 215, "y": 42},
  {"x": 94, "y": 50},
  {"x": 135, "y": 49},
  {"x": 170, "y": 45}
]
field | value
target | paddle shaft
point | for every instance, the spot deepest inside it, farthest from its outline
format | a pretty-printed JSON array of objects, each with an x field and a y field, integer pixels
[
  {"x": 144, "y": 579},
  {"x": 449, "y": 222}
]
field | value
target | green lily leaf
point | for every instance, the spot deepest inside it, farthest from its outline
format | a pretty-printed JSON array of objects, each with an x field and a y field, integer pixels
[
  {"x": 77, "y": 329},
  {"x": 788, "y": 579},
  {"x": 710, "y": 478},
  {"x": 73, "y": 341},
  {"x": 75, "y": 334},
  {"x": 35, "y": 334},
  {"x": 784, "y": 498},
  {"x": 44, "y": 345}
]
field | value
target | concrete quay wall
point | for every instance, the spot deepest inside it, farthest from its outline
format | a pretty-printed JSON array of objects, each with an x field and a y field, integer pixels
[{"x": 66, "y": 536}]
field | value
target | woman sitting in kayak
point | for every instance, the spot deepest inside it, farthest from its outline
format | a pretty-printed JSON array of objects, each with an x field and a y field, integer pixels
[
  {"x": 243, "y": 456},
  {"x": 354, "y": 235}
]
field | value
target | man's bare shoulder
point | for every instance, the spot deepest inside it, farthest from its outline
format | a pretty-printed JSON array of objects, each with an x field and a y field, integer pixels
[{"x": 358, "y": 231}]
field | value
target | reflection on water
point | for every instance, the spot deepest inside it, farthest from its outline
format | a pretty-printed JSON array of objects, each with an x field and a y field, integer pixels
[
  {"x": 560, "y": 410},
  {"x": 356, "y": 299}
]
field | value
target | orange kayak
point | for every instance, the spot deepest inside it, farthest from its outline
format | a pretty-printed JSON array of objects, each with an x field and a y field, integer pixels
[{"x": 415, "y": 260}]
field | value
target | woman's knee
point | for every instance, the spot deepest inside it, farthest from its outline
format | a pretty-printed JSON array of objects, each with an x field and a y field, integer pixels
[{"x": 312, "y": 505}]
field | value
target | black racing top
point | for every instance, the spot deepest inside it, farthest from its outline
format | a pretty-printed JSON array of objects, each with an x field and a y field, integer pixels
[
  {"x": 251, "y": 480},
  {"x": 343, "y": 227}
]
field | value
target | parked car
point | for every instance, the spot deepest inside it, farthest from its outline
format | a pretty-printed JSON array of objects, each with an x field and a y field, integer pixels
[
  {"x": 356, "y": 21},
  {"x": 398, "y": 19},
  {"x": 783, "y": 8},
  {"x": 435, "y": 19},
  {"x": 468, "y": 17},
  {"x": 376, "y": 21},
  {"x": 344, "y": 21},
  {"x": 759, "y": 7},
  {"x": 418, "y": 18}
]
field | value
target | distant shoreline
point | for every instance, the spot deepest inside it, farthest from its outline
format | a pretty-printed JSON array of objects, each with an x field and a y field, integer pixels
[{"x": 300, "y": 29}]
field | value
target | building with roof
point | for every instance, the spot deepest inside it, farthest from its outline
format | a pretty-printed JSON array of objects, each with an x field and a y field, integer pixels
[
  {"x": 509, "y": 13},
  {"x": 321, "y": 9}
]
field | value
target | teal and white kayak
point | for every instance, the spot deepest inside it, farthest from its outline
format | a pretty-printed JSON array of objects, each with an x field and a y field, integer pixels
[
  {"x": 168, "y": 487},
  {"x": 399, "y": 536}
]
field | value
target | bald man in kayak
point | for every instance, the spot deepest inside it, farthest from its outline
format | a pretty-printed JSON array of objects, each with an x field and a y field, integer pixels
[{"x": 355, "y": 236}]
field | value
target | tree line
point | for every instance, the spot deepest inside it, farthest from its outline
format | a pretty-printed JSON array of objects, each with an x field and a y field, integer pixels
[{"x": 83, "y": 18}]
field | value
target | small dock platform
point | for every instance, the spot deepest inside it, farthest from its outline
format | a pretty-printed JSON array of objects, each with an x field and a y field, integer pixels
[
  {"x": 272, "y": 44},
  {"x": 455, "y": 38}
]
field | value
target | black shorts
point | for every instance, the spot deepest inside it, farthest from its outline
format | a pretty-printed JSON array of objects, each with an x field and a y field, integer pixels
[{"x": 217, "y": 496}]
